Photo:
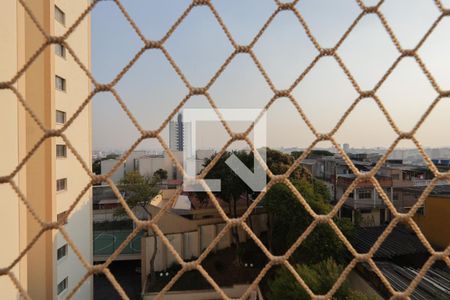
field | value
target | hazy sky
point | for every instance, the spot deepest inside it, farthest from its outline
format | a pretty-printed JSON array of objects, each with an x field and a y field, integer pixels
[{"x": 151, "y": 89}]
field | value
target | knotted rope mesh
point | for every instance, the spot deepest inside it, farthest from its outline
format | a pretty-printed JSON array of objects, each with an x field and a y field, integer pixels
[{"x": 159, "y": 45}]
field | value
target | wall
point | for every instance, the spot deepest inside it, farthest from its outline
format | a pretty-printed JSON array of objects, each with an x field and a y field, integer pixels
[
  {"x": 38, "y": 270},
  {"x": 13, "y": 221},
  {"x": 435, "y": 223},
  {"x": 78, "y": 87},
  {"x": 191, "y": 238},
  {"x": 235, "y": 291},
  {"x": 108, "y": 164}
]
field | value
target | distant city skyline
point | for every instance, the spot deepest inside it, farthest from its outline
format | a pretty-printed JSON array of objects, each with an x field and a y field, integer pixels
[{"x": 151, "y": 89}]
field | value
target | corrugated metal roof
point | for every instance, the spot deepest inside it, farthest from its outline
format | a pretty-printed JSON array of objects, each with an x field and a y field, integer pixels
[
  {"x": 399, "y": 242},
  {"x": 434, "y": 285}
]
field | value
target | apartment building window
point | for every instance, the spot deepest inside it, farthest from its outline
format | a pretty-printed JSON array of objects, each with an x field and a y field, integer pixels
[
  {"x": 365, "y": 194},
  {"x": 62, "y": 286},
  {"x": 420, "y": 211},
  {"x": 61, "y": 252},
  {"x": 61, "y": 184},
  {"x": 60, "y": 117},
  {"x": 60, "y": 83},
  {"x": 60, "y": 16},
  {"x": 61, "y": 151},
  {"x": 60, "y": 50}
]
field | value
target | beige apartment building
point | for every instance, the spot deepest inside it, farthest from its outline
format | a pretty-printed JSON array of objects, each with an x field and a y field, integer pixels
[{"x": 53, "y": 87}]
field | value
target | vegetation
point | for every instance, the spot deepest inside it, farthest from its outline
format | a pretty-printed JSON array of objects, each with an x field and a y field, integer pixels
[
  {"x": 289, "y": 220},
  {"x": 161, "y": 174},
  {"x": 138, "y": 190},
  {"x": 320, "y": 256},
  {"x": 319, "y": 277},
  {"x": 312, "y": 154},
  {"x": 232, "y": 187}
]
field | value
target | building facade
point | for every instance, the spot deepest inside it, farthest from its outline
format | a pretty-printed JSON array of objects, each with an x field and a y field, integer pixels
[
  {"x": 53, "y": 87},
  {"x": 176, "y": 134}
]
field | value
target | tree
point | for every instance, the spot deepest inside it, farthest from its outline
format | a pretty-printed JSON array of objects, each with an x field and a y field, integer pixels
[
  {"x": 232, "y": 187},
  {"x": 289, "y": 219},
  {"x": 138, "y": 190},
  {"x": 319, "y": 277},
  {"x": 312, "y": 154},
  {"x": 161, "y": 174}
]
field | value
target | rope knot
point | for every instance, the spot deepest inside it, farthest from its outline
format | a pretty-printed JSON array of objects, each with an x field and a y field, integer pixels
[
  {"x": 408, "y": 52},
  {"x": 323, "y": 137},
  {"x": 364, "y": 176},
  {"x": 277, "y": 260},
  {"x": 4, "y": 179},
  {"x": 286, "y": 6},
  {"x": 150, "y": 134},
  {"x": 200, "y": 2},
  {"x": 102, "y": 87},
  {"x": 234, "y": 221},
  {"x": 51, "y": 226},
  {"x": 367, "y": 94},
  {"x": 98, "y": 179},
  {"x": 53, "y": 132},
  {"x": 402, "y": 217},
  {"x": 282, "y": 93},
  {"x": 405, "y": 135},
  {"x": 322, "y": 218},
  {"x": 360, "y": 257},
  {"x": 97, "y": 269},
  {"x": 55, "y": 39},
  {"x": 189, "y": 266},
  {"x": 446, "y": 12},
  {"x": 4, "y": 85},
  {"x": 370, "y": 9},
  {"x": 242, "y": 49},
  {"x": 152, "y": 44},
  {"x": 198, "y": 91},
  {"x": 278, "y": 178},
  {"x": 443, "y": 93},
  {"x": 327, "y": 52},
  {"x": 238, "y": 136}
]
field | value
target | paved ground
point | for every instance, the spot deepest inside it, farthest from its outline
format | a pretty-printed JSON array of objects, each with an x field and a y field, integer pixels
[{"x": 126, "y": 275}]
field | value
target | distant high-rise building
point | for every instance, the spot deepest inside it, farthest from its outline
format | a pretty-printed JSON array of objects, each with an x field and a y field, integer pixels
[
  {"x": 176, "y": 134},
  {"x": 346, "y": 148}
]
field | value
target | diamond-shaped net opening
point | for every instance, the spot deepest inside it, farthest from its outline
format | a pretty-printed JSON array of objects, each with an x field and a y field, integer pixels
[{"x": 282, "y": 82}]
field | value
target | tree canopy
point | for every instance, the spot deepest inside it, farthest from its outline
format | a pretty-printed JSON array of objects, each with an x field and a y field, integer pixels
[
  {"x": 138, "y": 190},
  {"x": 319, "y": 277}
]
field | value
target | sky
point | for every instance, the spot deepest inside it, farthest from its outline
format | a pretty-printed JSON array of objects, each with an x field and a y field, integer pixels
[{"x": 151, "y": 89}]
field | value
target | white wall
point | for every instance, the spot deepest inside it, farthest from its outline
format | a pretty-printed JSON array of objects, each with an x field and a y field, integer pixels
[
  {"x": 108, "y": 164},
  {"x": 148, "y": 165}
]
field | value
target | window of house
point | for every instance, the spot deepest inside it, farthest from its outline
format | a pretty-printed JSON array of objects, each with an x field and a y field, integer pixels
[
  {"x": 61, "y": 252},
  {"x": 365, "y": 194},
  {"x": 60, "y": 50},
  {"x": 60, "y": 16},
  {"x": 61, "y": 151},
  {"x": 62, "y": 286},
  {"x": 420, "y": 211},
  {"x": 60, "y": 83},
  {"x": 61, "y": 184},
  {"x": 60, "y": 117}
]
